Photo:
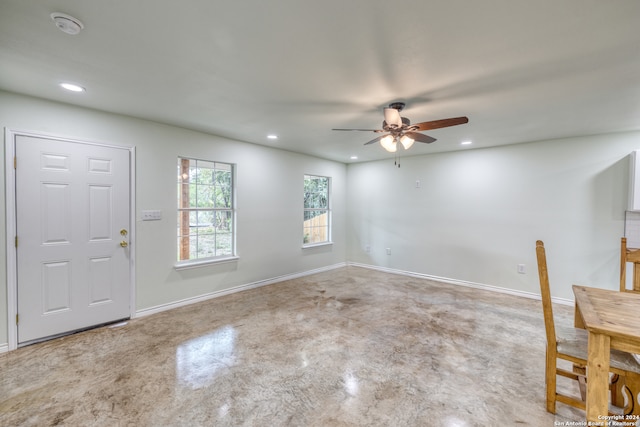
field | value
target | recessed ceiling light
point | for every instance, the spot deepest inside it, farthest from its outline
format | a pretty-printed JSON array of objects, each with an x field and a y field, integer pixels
[
  {"x": 272, "y": 136},
  {"x": 466, "y": 143},
  {"x": 354, "y": 157},
  {"x": 72, "y": 87}
]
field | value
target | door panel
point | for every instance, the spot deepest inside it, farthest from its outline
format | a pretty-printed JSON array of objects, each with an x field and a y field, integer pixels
[
  {"x": 72, "y": 200},
  {"x": 100, "y": 209},
  {"x": 56, "y": 286},
  {"x": 56, "y": 225},
  {"x": 100, "y": 280}
]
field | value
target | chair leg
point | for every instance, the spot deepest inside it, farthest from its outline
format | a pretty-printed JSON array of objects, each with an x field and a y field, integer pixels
[
  {"x": 581, "y": 371},
  {"x": 632, "y": 387},
  {"x": 616, "y": 388},
  {"x": 550, "y": 381}
]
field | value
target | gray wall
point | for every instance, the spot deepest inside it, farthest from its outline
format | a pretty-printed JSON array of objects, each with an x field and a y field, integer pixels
[
  {"x": 269, "y": 200},
  {"x": 479, "y": 212},
  {"x": 475, "y": 217}
]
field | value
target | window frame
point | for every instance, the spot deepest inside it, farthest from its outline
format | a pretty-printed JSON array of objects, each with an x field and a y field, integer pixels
[
  {"x": 232, "y": 210},
  {"x": 328, "y": 210}
]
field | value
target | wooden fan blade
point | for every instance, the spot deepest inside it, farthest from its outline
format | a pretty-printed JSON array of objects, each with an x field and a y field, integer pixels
[
  {"x": 437, "y": 124},
  {"x": 363, "y": 130},
  {"x": 420, "y": 137},
  {"x": 392, "y": 117},
  {"x": 373, "y": 141}
]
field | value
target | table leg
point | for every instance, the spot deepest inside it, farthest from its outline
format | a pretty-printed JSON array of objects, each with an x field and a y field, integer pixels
[
  {"x": 598, "y": 377},
  {"x": 577, "y": 318}
]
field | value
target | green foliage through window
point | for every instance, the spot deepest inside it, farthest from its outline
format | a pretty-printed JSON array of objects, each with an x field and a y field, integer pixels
[
  {"x": 316, "y": 209},
  {"x": 205, "y": 209}
]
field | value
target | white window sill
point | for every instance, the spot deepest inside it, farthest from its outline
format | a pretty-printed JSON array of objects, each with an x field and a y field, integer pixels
[
  {"x": 315, "y": 245},
  {"x": 185, "y": 265}
]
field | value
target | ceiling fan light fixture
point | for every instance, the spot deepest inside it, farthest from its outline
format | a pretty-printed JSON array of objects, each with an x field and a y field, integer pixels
[
  {"x": 388, "y": 142},
  {"x": 406, "y": 141},
  {"x": 401, "y": 131}
]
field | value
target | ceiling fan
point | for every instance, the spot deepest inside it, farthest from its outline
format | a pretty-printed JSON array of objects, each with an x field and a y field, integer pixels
[{"x": 401, "y": 130}]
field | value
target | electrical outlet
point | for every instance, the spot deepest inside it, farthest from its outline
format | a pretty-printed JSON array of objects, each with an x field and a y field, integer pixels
[
  {"x": 367, "y": 249},
  {"x": 418, "y": 183},
  {"x": 388, "y": 251},
  {"x": 521, "y": 269}
]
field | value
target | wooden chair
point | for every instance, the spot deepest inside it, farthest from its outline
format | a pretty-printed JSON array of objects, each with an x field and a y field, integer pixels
[
  {"x": 571, "y": 344},
  {"x": 633, "y": 256}
]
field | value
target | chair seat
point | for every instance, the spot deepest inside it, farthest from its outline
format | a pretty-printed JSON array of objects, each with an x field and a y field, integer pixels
[{"x": 573, "y": 342}]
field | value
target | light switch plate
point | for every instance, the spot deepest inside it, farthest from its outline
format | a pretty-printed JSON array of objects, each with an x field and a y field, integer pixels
[{"x": 151, "y": 215}]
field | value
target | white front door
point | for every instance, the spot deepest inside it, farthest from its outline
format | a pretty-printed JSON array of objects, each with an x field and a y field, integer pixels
[{"x": 72, "y": 222}]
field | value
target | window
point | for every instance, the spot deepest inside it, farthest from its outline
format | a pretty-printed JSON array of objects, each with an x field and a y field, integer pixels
[
  {"x": 317, "y": 215},
  {"x": 206, "y": 211}
]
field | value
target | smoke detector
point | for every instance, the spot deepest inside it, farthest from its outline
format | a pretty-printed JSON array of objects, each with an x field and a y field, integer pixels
[{"x": 66, "y": 23}]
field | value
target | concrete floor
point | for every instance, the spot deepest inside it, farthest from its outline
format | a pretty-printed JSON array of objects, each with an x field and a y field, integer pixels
[{"x": 348, "y": 347}]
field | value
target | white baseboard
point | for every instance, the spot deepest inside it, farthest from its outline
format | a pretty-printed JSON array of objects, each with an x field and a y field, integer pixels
[
  {"x": 187, "y": 301},
  {"x": 4, "y": 347},
  {"x": 492, "y": 288}
]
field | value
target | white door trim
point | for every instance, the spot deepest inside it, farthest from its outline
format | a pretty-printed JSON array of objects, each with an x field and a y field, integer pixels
[{"x": 10, "y": 208}]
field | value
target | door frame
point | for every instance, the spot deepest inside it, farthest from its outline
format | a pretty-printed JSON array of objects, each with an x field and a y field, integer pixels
[{"x": 10, "y": 207}]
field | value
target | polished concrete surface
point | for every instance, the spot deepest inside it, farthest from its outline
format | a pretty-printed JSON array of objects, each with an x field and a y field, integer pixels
[{"x": 347, "y": 347}]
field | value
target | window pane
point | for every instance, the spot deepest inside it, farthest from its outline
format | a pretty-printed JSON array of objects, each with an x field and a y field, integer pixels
[
  {"x": 193, "y": 221},
  {"x": 204, "y": 196},
  {"x": 223, "y": 177},
  {"x": 204, "y": 174},
  {"x": 315, "y": 234},
  {"x": 310, "y": 214},
  {"x": 223, "y": 221},
  {"x": 205, "y": 209},
  {"x": 316, "y": 209},
  {"x": 206, "y": 245},
  {"x": 188, "y": 195},
  {"x": 193, "y": 247},
  {"x": 183, "y": 195},
  {"x": 307, "y": 200},
  {"x": 222, "y": 197},
  {"x": 323, "y": 200},
  {"x": 224, "y": 244},
  {"x": 193, "y": 171},
  {"x": 184, "y": 169},
  {"x": 183, "y": 223},
  {"x": 205, "y": 221},
  {"x": 226, "y": 167}
]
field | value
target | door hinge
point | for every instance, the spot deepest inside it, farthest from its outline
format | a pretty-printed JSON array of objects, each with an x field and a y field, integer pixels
[
  {"x": 16, "y": 241},
  {"x": 17, "y": 318}
]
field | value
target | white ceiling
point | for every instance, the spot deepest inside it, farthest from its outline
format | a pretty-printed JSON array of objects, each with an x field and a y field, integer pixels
[{"x": 521, "y": 70}]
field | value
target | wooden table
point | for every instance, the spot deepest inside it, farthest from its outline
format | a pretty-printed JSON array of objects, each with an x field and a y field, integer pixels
[{"x": 612, "y": 319}]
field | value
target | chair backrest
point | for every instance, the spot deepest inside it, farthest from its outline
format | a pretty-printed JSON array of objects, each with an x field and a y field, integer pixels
[
  {"x": 632, "y": 256},
  {"x": 545, "y": 293}
]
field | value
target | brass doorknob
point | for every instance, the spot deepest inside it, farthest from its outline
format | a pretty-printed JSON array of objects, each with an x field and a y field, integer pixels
[
  {"x": 124, "y": 244},
  {"x": 123, "y": 232}
]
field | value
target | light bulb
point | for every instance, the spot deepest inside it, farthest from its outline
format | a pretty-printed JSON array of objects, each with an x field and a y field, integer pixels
[
  {"x": 388, "y": 143},
  {"x": 406, "y": 141}
]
